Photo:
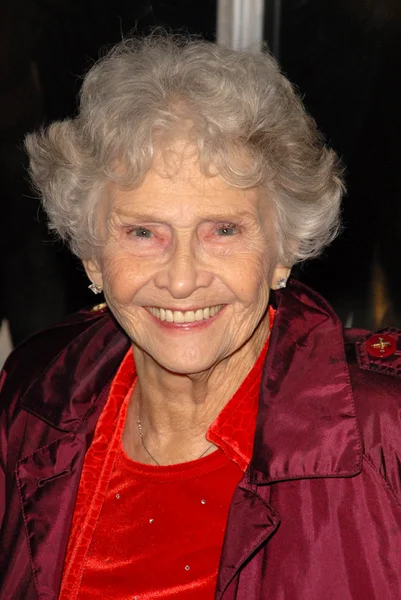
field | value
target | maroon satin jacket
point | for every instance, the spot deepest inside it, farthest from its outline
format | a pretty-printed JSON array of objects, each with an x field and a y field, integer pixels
[{"x": 317, "y": 515}]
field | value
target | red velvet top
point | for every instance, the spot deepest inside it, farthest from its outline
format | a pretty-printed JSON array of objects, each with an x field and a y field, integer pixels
[{"x": 143, "y": 531}]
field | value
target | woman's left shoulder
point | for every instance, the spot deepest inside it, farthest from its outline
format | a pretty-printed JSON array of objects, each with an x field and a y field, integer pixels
[{"x": 374, "y": 361}]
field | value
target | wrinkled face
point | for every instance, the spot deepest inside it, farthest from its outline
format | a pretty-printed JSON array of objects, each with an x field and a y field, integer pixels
[{"x": 187, "y": 265}]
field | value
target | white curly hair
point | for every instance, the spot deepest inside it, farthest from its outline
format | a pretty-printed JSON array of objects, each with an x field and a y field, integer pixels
[{"x": 237, "y": 102}]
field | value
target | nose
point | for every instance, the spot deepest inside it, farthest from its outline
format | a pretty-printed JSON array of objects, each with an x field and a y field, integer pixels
[{"x": 183, "y": 274}]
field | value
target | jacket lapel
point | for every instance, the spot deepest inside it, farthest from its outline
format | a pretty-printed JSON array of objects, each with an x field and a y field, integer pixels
[
  {"x": 307, "y": 424},
  {"x": 69, "y": 397},
  {"x": 251, "y": 521},
  {"x": 67, "y": 392}
]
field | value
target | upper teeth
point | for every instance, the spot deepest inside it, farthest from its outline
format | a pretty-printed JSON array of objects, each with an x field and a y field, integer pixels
[{"x": 188, "y": 316}]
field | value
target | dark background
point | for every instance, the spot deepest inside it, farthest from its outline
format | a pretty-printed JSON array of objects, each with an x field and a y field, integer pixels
[{"x": 344, "y": 56}]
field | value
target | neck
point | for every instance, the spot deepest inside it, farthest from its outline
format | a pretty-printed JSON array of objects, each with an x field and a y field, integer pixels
[{"x": 175, "y": 411}]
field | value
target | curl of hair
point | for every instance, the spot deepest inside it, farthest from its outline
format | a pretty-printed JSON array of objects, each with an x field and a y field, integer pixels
[{"x": 143, "y": 91}]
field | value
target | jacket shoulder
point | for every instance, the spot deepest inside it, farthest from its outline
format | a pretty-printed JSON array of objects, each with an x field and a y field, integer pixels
[
  {"x": 34, "y": 354},
  {"x": 375, "y": 358},
  {"x": 374, "y": 361}
]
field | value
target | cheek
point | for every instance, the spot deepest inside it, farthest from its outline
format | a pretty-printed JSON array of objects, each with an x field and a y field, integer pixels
[
  {"x": 249, "y": 278},
  {"x": 123, "y": 276}
]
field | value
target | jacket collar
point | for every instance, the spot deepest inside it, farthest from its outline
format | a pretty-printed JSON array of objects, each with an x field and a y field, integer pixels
[
  {"x": 306, "y": 424},
  {"x": 67, "y": 391}
]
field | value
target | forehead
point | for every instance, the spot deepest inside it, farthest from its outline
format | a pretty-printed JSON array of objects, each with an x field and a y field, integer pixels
[{"x": 176, "y": 187}]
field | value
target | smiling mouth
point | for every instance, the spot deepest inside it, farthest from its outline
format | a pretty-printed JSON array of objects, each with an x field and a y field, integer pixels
[{"x": 188, "y": 316}]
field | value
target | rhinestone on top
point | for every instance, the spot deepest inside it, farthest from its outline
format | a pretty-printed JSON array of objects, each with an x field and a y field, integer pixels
[
  {"x": 118, "y": 496},
  {"x": 187, "y": 568},
  {"x": 203, "y": 501},
  {"x": 151, "y": 520}
]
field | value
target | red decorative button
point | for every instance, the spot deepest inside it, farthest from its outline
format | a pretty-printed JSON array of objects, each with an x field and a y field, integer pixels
[{"x": 381, "y": 345}]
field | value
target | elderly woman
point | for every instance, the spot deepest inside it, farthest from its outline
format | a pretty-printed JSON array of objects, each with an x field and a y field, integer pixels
[{"x": 200, "y": 436}]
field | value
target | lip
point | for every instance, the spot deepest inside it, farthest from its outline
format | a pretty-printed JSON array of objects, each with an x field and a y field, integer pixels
[{"x": 185, "y": 326}]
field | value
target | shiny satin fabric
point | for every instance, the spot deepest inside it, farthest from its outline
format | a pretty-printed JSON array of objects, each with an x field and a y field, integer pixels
[
  {"x": 47, "y": 420},
  {"x": 317, "y": 412},
  {"x": 313, "y": 539},
  {"x": 316, "y": 517}
]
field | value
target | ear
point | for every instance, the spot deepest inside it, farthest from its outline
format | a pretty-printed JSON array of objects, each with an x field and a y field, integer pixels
[
  {"x": 280, "y": 276},
  {"x": 93, "y": 271}
]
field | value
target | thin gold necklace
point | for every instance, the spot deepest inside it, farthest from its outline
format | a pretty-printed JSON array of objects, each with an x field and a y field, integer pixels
[{"x": 138, "y": 421}]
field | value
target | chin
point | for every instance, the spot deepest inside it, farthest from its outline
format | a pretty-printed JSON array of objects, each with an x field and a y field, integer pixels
[{"x": 183, "y": 363}]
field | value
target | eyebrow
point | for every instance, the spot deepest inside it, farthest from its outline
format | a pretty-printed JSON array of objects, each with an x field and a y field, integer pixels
[{"x": 219, "y": 216}]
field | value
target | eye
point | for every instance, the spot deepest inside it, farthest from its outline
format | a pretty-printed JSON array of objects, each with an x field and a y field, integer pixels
[
  {"x": 227, "y": 230},
  {"x": 140, "y": 232}
]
